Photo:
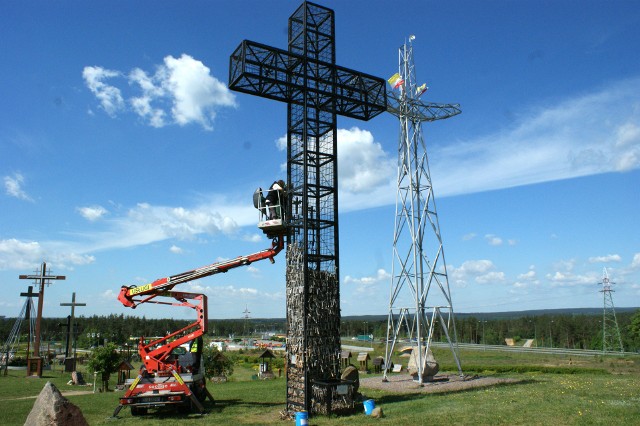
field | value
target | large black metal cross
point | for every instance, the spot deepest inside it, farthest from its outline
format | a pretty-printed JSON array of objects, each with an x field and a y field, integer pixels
[{"x": 316, "y": 90}]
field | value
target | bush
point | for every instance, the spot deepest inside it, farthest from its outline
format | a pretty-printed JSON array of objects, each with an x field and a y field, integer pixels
[
  {"x": 216, "y": 364},
  {"x": 105, "y": 360}
]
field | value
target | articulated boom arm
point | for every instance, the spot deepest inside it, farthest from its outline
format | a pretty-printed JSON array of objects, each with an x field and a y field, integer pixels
[
  {"x": 159, "y": 286},
  {"x": 155, "y": 353}
]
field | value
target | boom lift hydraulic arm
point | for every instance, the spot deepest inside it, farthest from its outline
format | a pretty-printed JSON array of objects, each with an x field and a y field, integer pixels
[
  {"x": 155, "y": 353},
  {"x": 158, "y": 355},
  {"x": 128, "y": 295}
]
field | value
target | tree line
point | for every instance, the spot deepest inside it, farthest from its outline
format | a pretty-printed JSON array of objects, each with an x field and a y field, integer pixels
[{"x": 551, "y": 330}]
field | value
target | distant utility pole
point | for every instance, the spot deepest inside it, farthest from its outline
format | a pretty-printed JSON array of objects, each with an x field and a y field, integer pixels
[
  {"x": 34, "y": 364},
  {"x": 611, "y": 339},
  {"x": 246, "y": 317}
]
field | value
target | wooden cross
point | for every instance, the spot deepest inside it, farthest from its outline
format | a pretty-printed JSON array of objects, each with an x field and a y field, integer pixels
[
  {"x": 73, "y": 304},
  {"x": 41, "y": 279}
]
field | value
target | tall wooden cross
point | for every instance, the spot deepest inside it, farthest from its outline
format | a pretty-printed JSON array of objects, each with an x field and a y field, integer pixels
[
  {"x": 315, "y": 90},
  {"x": 70, "y": 334},
  {"x": 41, "y": 279}
]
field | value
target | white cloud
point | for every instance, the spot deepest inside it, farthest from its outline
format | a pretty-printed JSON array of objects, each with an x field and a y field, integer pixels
[
  {"x": 363, "y": 164},
  {"x": 364, "y": 284},
  {"x": 636, "y": 261},
  {"x": 110, "y": 97},
  {"x": 175, "y": 249},
  {"x": 469, "y": 237},
  {"x": 567, "y": 278},
  {"x": 253, "y": 238},
  {"x": 194, "y": 91},
  {"x": 92, "y": 213},
  {"x": 584, "y": 135},
  {"x": 481, "y": 271},
  {"x": 528, "y": 276},
  {"x": 281, "y": 143},
  {"x": 142, "y": 105},
  {"x": 493, "y": 240},
  {"x": 181, "y": 91},
  {"x": 13, "y": 187},
  {"x": 605, "y": 259},
  {"x": 16, "y": 254},
  {"x": 527, "y": 279},
  {"x": 232, "y": 293}
]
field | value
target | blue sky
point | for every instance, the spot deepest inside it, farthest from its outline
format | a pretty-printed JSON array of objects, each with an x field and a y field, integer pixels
[{"x": 124, "y": 157}]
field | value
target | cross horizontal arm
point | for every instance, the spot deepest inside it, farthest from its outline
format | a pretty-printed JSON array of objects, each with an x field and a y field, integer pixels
[
  {"x": 73, "y": 304},
  {"x": 42, "y": 277},
  {"x": 420, "y": 111},
  {"x": 280, "y": 75}
]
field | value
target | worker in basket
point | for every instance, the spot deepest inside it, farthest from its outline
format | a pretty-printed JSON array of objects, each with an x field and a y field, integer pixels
[{"x": 275, "y": 199}]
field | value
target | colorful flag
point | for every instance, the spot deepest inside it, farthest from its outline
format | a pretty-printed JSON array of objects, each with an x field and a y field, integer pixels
[
  {"x": 421, "y": 89},
  {"x": 396, "y": 80}
]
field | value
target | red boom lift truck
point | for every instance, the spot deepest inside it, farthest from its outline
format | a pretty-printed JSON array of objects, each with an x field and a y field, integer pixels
[{"x": 173, "y": 370}]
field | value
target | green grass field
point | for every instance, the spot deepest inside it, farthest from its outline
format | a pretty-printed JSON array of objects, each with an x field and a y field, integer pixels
[{"x": 554, "y": 390}]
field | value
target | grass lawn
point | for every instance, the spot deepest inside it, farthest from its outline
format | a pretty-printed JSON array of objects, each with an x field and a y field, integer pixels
[{"x": 598, "y": 391}]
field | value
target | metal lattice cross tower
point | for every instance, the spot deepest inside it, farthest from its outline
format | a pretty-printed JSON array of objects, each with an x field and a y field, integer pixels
[
  {"x": 316, "y": 90},
  {"x": 419, "y": 272},
  {"x": 611, "y": 339}
]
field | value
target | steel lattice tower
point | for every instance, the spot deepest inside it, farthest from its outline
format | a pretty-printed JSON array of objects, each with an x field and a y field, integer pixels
[
  {"x": 419, "y": 268},
  {"x": 611, "y": 339}
]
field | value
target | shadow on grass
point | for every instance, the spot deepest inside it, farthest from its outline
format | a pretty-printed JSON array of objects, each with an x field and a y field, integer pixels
[
  {"x": 219, "y": 406},
  {"x": 405, "y": 397}
]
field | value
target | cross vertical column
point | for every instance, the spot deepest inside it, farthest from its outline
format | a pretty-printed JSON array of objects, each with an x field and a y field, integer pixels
[{"x": 313, "y": 293}]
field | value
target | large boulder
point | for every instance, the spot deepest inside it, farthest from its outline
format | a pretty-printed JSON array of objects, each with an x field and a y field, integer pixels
[
  {"x": 351, "y": 373},
  {"x": 53, "y": 409},
  {"x": 430, "y": 365}
]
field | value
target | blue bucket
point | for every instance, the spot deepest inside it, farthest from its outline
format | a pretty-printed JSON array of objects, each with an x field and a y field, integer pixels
[
  {"x": 302, "y": 418},
  {"x": 369, "y": 405}
]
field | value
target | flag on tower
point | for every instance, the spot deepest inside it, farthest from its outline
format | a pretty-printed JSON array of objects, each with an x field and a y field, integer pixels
[
  {"x": 421, "y": 89},
  {"x": 396, "y": 80}
]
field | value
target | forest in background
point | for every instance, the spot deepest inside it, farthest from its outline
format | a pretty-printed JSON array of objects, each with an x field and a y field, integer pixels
[{"x": 573, "y": 329}]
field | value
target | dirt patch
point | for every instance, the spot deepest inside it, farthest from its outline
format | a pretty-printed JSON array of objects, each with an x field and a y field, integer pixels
[{"x": 401, "y": 383}]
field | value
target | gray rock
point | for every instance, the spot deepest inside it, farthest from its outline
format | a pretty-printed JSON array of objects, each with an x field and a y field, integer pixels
[
  {"x": 430, "y": 365},
  {"x": 377, "y": 413},
  {"x": 53, "y": 409}
]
